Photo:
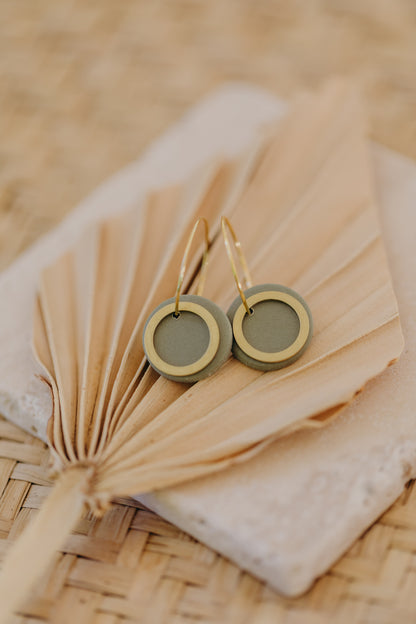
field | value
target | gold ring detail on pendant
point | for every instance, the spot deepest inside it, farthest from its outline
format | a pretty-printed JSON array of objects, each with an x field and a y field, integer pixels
[
  {"x": 276, "y": 356},
  {"x": 194, "y": 367}
]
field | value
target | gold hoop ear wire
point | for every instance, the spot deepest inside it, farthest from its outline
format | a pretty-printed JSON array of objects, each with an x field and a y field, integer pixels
[
  {"x": 225, "y": 223},
  {"x": 204, "y": 264}
]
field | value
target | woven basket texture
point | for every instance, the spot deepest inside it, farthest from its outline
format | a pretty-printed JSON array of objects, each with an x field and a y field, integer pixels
[{"x": 85, "y": 86}]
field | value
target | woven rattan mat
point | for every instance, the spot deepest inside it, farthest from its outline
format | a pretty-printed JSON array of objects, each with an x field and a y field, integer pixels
[{"x": 85, "y": 85}]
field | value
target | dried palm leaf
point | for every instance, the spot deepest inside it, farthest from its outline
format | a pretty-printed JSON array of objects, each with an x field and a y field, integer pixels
[{"x": 303, "y": 203}]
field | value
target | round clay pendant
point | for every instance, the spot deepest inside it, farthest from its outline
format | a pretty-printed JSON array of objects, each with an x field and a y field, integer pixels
[
  {"x": 191, "y": 345},
  {"x": 277, "y": 331}
]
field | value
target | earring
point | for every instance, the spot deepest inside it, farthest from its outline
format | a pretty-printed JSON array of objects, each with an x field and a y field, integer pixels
[
  {"x": 188, "y": 337},
  {"x": 272, "y": 324}
]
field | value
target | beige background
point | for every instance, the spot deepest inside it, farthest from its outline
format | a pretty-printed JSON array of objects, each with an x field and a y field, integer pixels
[{"x": 84, "y": 87}]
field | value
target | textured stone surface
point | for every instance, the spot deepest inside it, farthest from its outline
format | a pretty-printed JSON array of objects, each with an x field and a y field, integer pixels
[{"x": 290, "y": 512}]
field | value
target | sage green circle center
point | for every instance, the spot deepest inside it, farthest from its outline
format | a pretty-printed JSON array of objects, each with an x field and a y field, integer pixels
[
  {"x": 273, "y": 326},
  {"x": 181, "y": 341}
]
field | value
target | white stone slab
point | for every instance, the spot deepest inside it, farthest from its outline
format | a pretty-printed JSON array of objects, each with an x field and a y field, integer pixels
[{"x": 290, "y": 512}]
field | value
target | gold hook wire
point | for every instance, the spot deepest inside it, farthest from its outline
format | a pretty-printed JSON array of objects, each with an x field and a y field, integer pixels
[
  {"x": 204, "y": 264},
  {"x": 225, "y": 223}
]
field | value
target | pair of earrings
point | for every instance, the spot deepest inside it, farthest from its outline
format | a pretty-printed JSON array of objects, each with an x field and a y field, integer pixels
[{"x": 188, "y": 337}]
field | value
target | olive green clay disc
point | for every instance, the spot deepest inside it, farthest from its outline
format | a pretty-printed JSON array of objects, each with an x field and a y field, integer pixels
[
  {"x": 278, "y": 330},
  {"x": 192, "y": 345}
]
